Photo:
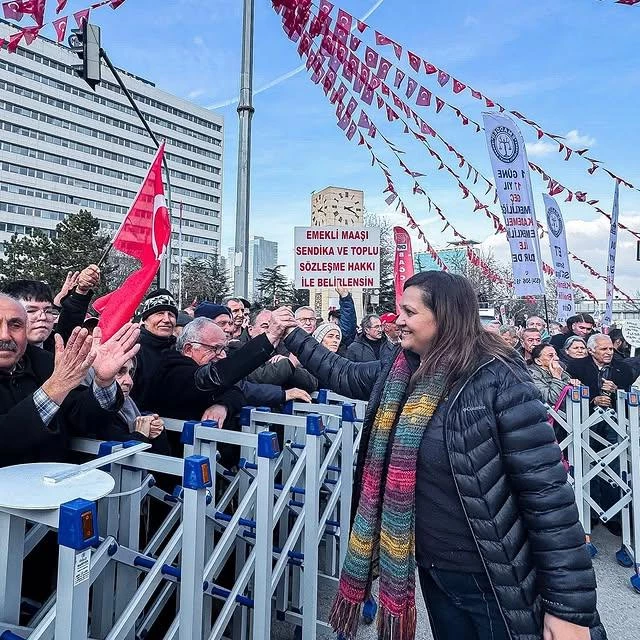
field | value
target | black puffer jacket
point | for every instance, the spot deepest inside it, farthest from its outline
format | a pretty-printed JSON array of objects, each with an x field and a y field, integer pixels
[{"x": 511, "y": 483}]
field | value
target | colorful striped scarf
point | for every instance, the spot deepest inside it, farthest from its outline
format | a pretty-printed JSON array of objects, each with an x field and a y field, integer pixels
[{"x": 382, "y": 537}]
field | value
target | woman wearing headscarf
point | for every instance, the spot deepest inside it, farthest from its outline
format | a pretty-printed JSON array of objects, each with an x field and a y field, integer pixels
[{"x": 458, "y": 473}]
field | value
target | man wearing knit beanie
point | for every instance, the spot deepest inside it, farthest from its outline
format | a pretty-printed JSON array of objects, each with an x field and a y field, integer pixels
[
  {"x": 219, "y": 313},
  {"x": 159, "y": 313}
]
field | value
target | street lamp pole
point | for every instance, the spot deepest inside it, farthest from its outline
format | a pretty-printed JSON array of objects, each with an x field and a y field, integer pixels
[{"x": 245, "y": 113}]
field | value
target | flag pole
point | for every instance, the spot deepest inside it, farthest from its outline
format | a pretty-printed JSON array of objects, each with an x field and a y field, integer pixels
[
  {"x": 180, "y": 259},
  {"x": 245, "y": 113},
  {"x": 165, "y": 273}
]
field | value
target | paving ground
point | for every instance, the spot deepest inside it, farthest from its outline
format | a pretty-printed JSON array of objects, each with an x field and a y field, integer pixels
[{"x": 618, "y": 603}]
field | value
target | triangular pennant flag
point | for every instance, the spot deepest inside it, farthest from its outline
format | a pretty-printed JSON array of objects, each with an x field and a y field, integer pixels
[
  {"x": 412, "y": 85},
  {"x": 371, "y": 57},
  {"x": 399, "y": 78},
  {"x": 81, "y": 17},
  {"x": 429, "y": 68},
  {"x": 60, "y": 25},
  {"x": 424, "y": 97},
  {"x": 31, "y": 33},
  {"x": 443, "y": 78},
  {"x": 414, "y": 61},
  {"x": 14, "y": 41}
]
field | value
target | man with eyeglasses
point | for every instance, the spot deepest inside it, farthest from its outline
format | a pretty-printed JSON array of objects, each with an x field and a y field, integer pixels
[
  {"x": 43, "y": 315},
  {"x": 306, "y": 317},
  {"x": 369, "y": 345}
]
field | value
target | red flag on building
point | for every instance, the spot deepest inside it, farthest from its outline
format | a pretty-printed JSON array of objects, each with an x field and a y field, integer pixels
[
  {"x": 403, "y": 266},
  {"x": 17, "y": 8},
  {"x": 144, "y": 235}
]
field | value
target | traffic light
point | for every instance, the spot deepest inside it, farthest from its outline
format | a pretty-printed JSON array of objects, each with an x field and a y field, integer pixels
[{"x": 85, "y": 42}]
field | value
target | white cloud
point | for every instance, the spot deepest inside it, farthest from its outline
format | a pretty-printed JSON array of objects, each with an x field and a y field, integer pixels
[
  {"x": 588, "y": 239},
  {"x": 198, "y": 41},
  {"x": 574, "y": 139},
  {"x": 196, "y": 93},
  {"x": 540, "y": 148}
]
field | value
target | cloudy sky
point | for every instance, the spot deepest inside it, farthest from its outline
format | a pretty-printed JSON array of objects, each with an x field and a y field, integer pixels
[{"x": 571, "y": 66}]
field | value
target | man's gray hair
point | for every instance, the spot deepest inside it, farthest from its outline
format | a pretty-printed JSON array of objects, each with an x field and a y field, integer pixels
[
  {"x": 255, "y": 314},
  {"x": 592, "y": 342},
  {"x": 508, "y": 329},
  {"x": 192, "y": 332},
  {"x": 530, "y": 318},
  {"x": 300, "y": 309},
  {"x": 366, "y": 321}
]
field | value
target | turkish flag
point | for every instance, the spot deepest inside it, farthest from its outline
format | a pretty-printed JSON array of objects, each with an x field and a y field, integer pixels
[
  {"x": 354, "y": 43},
  {"x": 429, "y": 68},
  {"x": 60, "y": 25},
  {"x": 443, "y": 78},
  {"x": 458, "y": 86},
  {"x": 381, "y": 39},
  {"x": 424, "y": 97},
  {"x": 325, "y": 7},
  {"x": 371, "y": 58},
  {"x": 476, "y": 94},
  {"x": 81, "y": 17},
  {"x": 17, "y": 8},
  {"x": 439, "y": 105},
  {"x": 343, "y": 25},
  {"x": 383, "y": 69},
  {"x": 412, "y": 85},
  {"x": 62, "y": 4},
  {"x": 14, "y": 41},
  {"x": 367, "y": 95},
  {"x": 144, "y": 234},
  {"x": 115, "y": 3},
  {"x": 414, "y": 61},
  {"x": 398, "y": 79},
  {"x": 30, "y": 34}
]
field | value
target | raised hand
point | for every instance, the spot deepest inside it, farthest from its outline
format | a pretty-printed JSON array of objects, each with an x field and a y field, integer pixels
[
  {"x": 70, "y": 281},
  {"x": 72, "y": 362},
  {"x": 115, "y": 352},
  {"x": 282, "y": 320},
  {"x": 88, "y": 279},
  {"x": 342, "y": 291}
]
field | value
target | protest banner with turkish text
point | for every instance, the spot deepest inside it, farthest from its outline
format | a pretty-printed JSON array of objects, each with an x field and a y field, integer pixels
[{"x": 329, "y": 257}]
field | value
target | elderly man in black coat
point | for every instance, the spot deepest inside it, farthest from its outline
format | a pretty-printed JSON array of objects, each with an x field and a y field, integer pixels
[{"x": 42, "y": 399}]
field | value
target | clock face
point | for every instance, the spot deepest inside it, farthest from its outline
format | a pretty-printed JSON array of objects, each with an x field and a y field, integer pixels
[
  {"x": 349, "y": 207},
  {"x": 340, "y": 207}
]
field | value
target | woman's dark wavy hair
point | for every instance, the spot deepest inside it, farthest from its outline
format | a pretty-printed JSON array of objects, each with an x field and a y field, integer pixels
[{"x": 461, "y": 341}]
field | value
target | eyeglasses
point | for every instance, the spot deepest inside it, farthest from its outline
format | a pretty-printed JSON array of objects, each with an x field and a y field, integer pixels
[
  {"x": 307, "y": 320},
  {"x": 216, "y": 349},
  {"x": 50, "y": 312}
]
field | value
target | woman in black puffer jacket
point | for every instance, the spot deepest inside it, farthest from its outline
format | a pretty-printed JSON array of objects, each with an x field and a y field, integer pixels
[{"x": 499, "y": 548}]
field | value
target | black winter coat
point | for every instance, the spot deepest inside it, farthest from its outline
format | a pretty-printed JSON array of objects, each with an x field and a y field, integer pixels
[
  {"x": 25, "y": 438},
  {"x": 361, "y": 351},
  {"x": 511, "y": 483}
]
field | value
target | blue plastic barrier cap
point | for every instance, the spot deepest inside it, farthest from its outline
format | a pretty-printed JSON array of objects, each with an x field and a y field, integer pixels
[
  {"x": 212, "y": 424},
  {"x": 288, "y": 408},
  {"x": 245, "y": 416},
  {"x": 349, "y": 412},
  {"x": 78, "y": 524},
  {"x": 268, "y": 446},
  {"x": 197, "y": 473},
  {"x": 186, "y": 437},
  {"x": 323, "y": 396},
  {"x": 315, "y": 426},
  {"x": 106, "y": 448},
  {"x": 264, "y": 409}
]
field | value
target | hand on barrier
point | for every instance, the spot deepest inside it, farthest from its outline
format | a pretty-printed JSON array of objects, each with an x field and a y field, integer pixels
[
  {"x": 602, "y": 401},
  {"x": 70, "y": 281},
  {"x": 114, "y": 353},
  {"x": 608, "y": 386},
  {"x": 556, "y": 629},
  {"x": 89, "y": 279},
  {"x": 282, "y": 319},
  {"x": 297, "y": 394},
  {"x": 72, "y": 362},
  {"x": 150, "y": 426},
  {"x": 216, "y": 412}
]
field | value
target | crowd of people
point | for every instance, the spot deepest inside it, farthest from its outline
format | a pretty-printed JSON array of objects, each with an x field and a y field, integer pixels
[{"x": 457, "y": 458}]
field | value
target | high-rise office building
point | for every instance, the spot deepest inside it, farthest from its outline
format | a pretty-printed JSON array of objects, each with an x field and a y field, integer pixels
[
  {"x": 65, "y": 148},
  {"x": 263, "y": 254}
]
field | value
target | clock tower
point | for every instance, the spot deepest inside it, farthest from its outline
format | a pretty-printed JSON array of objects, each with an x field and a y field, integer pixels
[{"x": 335, "y": 207}]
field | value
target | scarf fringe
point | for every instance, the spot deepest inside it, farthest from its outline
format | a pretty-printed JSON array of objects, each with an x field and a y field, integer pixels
[
  {"x": 392, "y": 627},
  {"x": 345, "y": 617}
]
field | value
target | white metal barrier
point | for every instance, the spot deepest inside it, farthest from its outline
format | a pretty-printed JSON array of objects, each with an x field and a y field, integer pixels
[{"x": 281, "y": 518}]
